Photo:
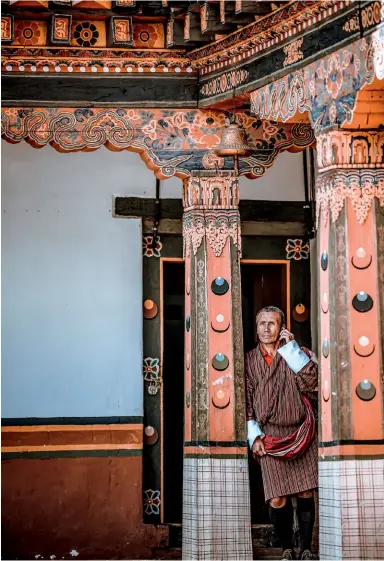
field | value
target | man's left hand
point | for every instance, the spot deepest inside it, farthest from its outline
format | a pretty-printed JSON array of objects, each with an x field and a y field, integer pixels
[{"x": 286, "y": 336}]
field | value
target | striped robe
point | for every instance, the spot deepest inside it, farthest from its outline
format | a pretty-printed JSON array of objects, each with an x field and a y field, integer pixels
[{"x": 273, "y": 400}]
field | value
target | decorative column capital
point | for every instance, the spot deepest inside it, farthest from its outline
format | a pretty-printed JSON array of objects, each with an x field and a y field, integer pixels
[
  {"x": 350, "y": 149},
  {"x": 211, "y": 192},
  {"x": 350, "y": 165},
  {"x": 211, "y": 212}
]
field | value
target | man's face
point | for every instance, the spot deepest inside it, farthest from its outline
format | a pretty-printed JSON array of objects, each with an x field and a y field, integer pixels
[{"x": 268, "y": 327}]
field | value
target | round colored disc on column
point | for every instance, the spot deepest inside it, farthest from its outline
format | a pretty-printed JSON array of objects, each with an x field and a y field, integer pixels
[
  {"x": 220, "y": 361},
  {"x": 219, "y": 286},
  {"x": 362, "y": 302},
  {"x": 324, "y": 260},
  {"x": 366, "y": 390}
]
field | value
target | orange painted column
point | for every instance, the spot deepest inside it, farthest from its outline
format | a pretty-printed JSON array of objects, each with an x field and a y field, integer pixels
[
  {"x": 216, "y": 504},
  {"x": 350, "y": 203}
]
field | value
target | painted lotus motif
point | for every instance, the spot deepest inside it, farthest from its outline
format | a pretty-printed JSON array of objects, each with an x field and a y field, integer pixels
[
  {"x": 152, "y": 502},
  {"x": 151, "y": 249},
  {"x": 297, "y": 249},
  {"x": 151, "y": 371}
]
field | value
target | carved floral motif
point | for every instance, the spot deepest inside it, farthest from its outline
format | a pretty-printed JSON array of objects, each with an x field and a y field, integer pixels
[
  {"x": 352, "y": 24},
  {"x": 361, "y": 187},
  {"x": 214, "y": 226},
  {"x": 225, "y": 82},
  {"x": 30, "y": 32},
  {"x": 297, "y": 249},
  {"x": 151, "y": 373},
  {"x": 326, "y": 88},
  {"x": 211, "y": 213},
  {"x": 148, "y": 35},
  {"x": 152, "y": 501},
  {"x": 370, "y": 15},
  {"x": 293, "y": 52},
  {"x": 169, "y": 141},
  {"x": 152, "y": 248},
  {"x": 88, "y": 34}
]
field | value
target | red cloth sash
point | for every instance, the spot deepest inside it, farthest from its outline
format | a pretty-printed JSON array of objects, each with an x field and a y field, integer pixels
[{"x": 295, "y": 444}]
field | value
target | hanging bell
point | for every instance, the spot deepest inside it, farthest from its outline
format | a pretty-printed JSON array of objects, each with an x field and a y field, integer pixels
[{"x": 233, "y": 142}]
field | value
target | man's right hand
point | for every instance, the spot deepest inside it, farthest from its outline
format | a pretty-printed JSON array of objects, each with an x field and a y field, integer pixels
[{"x": 258, "y": 447}]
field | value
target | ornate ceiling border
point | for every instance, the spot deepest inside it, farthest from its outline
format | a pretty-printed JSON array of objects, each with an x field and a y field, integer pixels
[
  {"x": 314, "y": 43},
  {"x": 350, "y": 165},
  {"x": 327, "y": 88},
  {"x": 171, "y": 142},
  {"x": 267, "y": 32},
  {"x": 71, "y": 60}
]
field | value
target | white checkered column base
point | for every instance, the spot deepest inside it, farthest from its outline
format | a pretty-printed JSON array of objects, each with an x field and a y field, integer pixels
[
  {"x": 351, "y": 509},
  {"x": 216, "y": 509}
]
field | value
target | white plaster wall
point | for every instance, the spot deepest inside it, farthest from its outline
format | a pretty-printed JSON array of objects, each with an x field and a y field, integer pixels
[
  {"x": 72, "y": 277},
  {"x": 71, "y": 284}
]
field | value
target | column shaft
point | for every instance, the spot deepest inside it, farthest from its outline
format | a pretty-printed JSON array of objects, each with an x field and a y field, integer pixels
[
  {"x": 216, "y": 503},
  {"x": 350, "y": 200}
]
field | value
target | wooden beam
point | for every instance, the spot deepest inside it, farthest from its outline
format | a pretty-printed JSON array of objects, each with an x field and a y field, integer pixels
[
  {"x": 135, "y": 90},
  {"x": 192, "y": 29},
  {"x": 174, "y": 226},
  {"x": 210, "y": 20},
  {"x": 227, "y": 14},
  {"x": 252, "y": 7},
  {"x": 250, "y": 211}
]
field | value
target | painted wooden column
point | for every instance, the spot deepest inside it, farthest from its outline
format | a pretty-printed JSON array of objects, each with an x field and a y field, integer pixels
[
  {"x": 216, "y": 503},
  {"x": 350, "y": 201}
]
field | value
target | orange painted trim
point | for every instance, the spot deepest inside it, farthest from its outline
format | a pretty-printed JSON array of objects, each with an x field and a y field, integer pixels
[
  {"x": 352, "y": 450},
  {"x": 50, "y": 448},
  {"x": 221, "y": 409},
  {"x": 367, "y": 415},
  {"x": 187, "y": 355},
  {"x": 66, "y": 428},
  {"x": 325, "y": 333},
  {"x": 72, "y": 436}
]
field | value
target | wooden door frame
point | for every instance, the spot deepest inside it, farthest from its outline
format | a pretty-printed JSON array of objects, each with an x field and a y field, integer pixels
[
  {"x": 287, "y": 265},
  {"x": 162, "y": 261}
]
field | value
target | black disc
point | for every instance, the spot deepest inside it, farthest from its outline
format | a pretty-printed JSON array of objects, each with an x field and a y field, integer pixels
[
  {"x": 366, "y": 390},
  {"x": 219, "y": 286},
  {"x": 362, "y": 302},
  {"x": 220, "y": 361}
]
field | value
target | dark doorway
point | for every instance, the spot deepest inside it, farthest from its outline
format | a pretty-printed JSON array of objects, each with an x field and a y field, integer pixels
[
  {"x": 173, "y": 389},
  {"x": 263, "y": 284}
]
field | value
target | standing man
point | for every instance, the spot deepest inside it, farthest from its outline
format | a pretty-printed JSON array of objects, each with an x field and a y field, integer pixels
[{"x": 280, "y": 377}]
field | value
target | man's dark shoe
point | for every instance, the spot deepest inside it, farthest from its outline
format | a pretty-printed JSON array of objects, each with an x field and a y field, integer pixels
[
  {"x": 306, "y": 554},
  {"x": 288, "y": 554}
]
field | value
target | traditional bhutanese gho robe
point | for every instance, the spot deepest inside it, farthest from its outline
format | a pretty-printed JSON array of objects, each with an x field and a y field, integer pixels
[{"x": 274, "y": 401}]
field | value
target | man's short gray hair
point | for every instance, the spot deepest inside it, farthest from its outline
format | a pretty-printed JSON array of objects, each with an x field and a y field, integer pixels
[{"x": 272, "y": 309}]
